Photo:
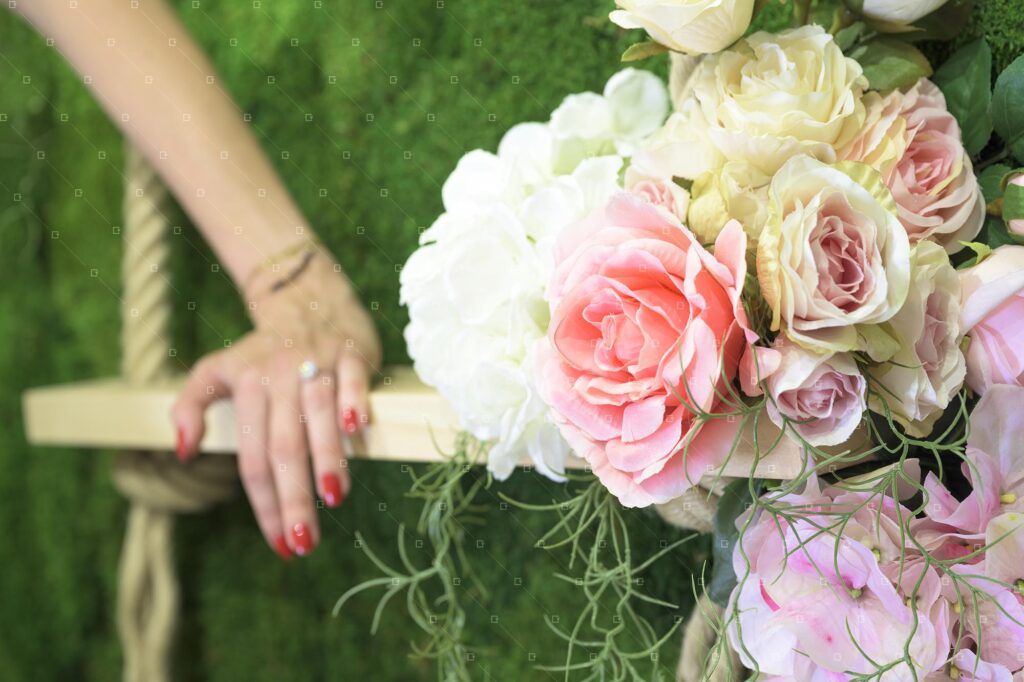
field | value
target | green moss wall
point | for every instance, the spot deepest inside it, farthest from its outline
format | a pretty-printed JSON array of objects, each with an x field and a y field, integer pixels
[{"x": 396, "y": 94}]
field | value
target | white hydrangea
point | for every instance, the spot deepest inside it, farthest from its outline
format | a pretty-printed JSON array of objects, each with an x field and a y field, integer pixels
[{"x": 475, "y": 287}]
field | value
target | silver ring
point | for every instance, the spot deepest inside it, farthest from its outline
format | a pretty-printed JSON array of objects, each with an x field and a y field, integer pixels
[{"x": 308, "y": 370}]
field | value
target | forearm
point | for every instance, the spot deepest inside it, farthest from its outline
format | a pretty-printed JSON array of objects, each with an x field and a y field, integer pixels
[{"x": 162, "y": 91}]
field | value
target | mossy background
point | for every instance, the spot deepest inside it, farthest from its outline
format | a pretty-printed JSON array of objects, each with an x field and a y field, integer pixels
[{"x": 397, "y": 91}]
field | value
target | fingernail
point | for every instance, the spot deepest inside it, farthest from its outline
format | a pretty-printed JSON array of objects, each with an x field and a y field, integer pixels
[
  {"x": 349, "y": 420},
  {"x": 302, "y": 539},
  {"x": 331, "y": 485},
  {"x": 180, "y": 447},
  {"x": 282, "y": 548}
]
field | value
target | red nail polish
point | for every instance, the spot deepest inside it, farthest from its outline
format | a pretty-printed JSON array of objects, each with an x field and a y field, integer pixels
[
  {"x": 282, "y": 548},
  {"x": 331, "y": 485},
  {"x": 180, "y": 447},
  {"x": 302, "y": 539},
  {"x": 349, "y": 420}
]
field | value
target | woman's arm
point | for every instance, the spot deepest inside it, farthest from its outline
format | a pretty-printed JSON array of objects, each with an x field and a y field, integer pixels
[
  {"x": 299, "y": 379},
  {"x": 159, "y": 87}
]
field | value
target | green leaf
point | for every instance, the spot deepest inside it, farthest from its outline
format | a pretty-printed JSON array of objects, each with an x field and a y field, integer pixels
[
  {"x": 890, "y": 63},
  {"x": 848, "y": 37},
  {"x": 966, "y": 81},
  {"x": 981, "y": 252},
  {"x": 735, "y": 500},
  {"x": 643, "y": 50},
  {"x": 991, "y": 181},
  {"x": 1008, "y": 107}
]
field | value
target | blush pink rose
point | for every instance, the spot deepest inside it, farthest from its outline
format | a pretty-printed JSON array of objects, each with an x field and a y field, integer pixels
[
  {"x": 992, "y": 294},
  {"x": 933, "y": 183},
  {"x": 646, "y": 325},
  {"x": 661, "y": 192},
  {"x": 819, "y": 395}
]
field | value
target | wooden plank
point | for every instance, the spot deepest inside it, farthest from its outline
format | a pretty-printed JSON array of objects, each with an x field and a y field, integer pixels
[{"x": 410, "y": 422}]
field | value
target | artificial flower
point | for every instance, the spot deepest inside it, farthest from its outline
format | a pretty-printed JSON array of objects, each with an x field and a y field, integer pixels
[
  {"x": 1013, "y": 204},
  {"x": 690, "y": 26},
  {"x": 774, "y": 96},
  {"x": 735, "y": 191},
  {"x": 646, "y": 325},
  {"x": 821, "y": 396},
  {"x": 920, "y": 380},
  {"x": 832, "y": 257},
  {"x": 899, "y": 12},
  {"x": 933, "y": 183}
]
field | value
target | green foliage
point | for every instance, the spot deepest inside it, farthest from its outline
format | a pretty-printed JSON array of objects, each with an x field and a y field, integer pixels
[
  {"x": 890, "y": 63},
  {"x": 648, "y": 48},
  {"x": 737, "y": 497},
  {"x": 965, "y": 80},
  {"x": 1008, "y": 107}
]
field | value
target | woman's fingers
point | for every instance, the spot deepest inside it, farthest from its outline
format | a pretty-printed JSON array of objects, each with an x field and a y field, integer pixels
[
  {"x": 289, "y": 456},
  {"x": 206, "y": 384},
  {"x": 254, "y": 461},
  {"x": 353, "y": 399},
  {"x": 319, "y": 402}
]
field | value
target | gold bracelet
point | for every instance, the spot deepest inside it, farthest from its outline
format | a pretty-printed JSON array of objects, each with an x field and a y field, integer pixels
[{"x": 309, "y": 243}]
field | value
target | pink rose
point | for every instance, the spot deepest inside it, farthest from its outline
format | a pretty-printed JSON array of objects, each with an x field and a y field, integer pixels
[
  {"x": 992, "y": 293},
  {"x": 646, "y": 325},
  {"x": 662, "y": 192},
  {"x": 933, "y": 183},
  {"x": 821, "y": 395}
]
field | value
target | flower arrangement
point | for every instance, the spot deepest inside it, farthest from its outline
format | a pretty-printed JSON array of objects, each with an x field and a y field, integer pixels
[{"x": 825, "y": 236}]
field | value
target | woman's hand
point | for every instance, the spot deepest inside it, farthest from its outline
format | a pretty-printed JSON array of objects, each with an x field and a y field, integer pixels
[{"x": 300, "y": 385}]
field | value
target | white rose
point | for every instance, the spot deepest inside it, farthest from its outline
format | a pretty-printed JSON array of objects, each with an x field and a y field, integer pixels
[
  {"x": 633, "y": 105},
  {"x": 690, "y": 26},
  {"x": 928, "y": 370},
  {"x": 900, "y": 13},
  {"x": 777, "y": 95},
  {"x": 820, "y": 396},
  {"x": 832, "y": 255}
]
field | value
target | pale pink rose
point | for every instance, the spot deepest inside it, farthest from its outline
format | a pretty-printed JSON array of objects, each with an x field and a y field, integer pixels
[
  {"x": 933, "y": 183},
  {"x": 1015, "y": 222},
  {"x": 646, "y": 326},
  {"x": 992, "y": 294},
  {"x": 661, "y": 192},
  {"x": 814, "y": 603},
  {"x": 819, "y": 395}
]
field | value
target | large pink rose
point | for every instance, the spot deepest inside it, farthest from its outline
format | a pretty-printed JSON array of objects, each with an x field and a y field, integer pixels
[
  {"x": 646, "y": 325},
  {"x": 933, "y": 183},
  {"x": 992, "y": 293}
]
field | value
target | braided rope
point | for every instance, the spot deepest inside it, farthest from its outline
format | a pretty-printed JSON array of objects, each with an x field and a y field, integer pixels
[{"x": 157, "y": 485}]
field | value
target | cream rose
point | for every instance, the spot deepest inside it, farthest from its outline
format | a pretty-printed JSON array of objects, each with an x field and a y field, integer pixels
[
  {"x": 774, "y": 96},
  {"x": 736, "y": 191},
  {"x": 690, "y": 26},
  {"x": 900, "y": 13},
  {"x": 929, "y": 368},
  {"x": 820, "y": 396},
  {"x": 832, "y": 255}
]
